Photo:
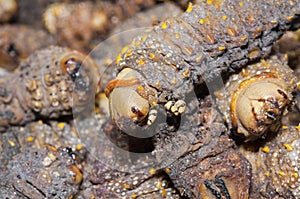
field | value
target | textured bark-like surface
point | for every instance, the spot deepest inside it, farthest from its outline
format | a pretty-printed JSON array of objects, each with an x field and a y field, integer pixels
[
  {"x": 275, "y": 165},
  {"x": 50, "y": 82},
  {"x": 55, "y": 174},
  {"x": 18, "y": 42},
  {"x": 210, "y": 39}
]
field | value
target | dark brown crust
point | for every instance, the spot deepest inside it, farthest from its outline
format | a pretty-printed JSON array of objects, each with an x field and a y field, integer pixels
[
  {"x": 43, "y": 89},
  {"x": 207, "y": 44}
]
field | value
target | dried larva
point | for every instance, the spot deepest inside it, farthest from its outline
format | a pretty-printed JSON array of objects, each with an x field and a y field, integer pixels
[
  {"x": 254, "y": 101},
  {"x": 203, "y": 42},
  {"x": 275, "y": 172},
  {"x": 50, "y": 82},
  {"x": 75, "y": 24},
  {"x": 17, "y": 42},
  {"x": 8, "y": 9}
]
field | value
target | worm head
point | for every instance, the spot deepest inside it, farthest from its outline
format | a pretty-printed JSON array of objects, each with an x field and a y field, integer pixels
[
  {"x": 128, "y": 97},
  {"x": 127, "y": 103},
  {"x": 258, "y": 104},
  {"x": 81, "y": 72}
]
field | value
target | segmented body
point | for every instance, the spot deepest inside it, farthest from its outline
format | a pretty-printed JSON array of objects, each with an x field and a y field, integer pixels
[
  {"x": 254, "y": 100},
  {"x": 275, "y": 166},
  {"x": 210, "y": 39},
  {"x": 48, "y": 84},
  {"x": 17, "y": 42},
  {"x": 68, "y": 20}
]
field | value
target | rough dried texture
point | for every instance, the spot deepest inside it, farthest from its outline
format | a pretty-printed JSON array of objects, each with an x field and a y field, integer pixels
[
  {"x": 209, "y": 39},
  {"x": 8, "y": 9},
  {"x": 254, "y": 101},
  {"x": 112, "y": 183},
  {"x": 63, "y": 19},
  {"x": 48, "y": 84},
  {"x": 290, "y": 44},
  {"x": 17, "y": 42},
  {"x": 276, "y": 166},
  {"x": 201, "y": 180},
  {"x": 105, "y": 53},
  {"x": 42, "y": 173},
  {"x": 201, "y": 152}
]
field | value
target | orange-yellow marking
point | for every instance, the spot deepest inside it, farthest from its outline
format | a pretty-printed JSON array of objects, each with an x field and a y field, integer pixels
[
  {"x": 266, "y": 149},
  {"x": 164, "y": 25},
  {"x": 29, "y": 139},
  {"x": 190, "y": 7},
  {"x": 288, "y": 147}
]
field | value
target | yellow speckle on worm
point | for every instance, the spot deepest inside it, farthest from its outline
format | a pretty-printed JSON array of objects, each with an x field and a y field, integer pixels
[
  {"x": 284, "y": 127},
  {"x": 289, "y": 18},
  {"x": 209, "y": 2},
  {"x": 152, "y": 171},
  {"x": 29, "y": 139},
  {"x": 61, "y": 125},
  {"x": 141, "y": 62},
  {"x": 281, "y": 173},
  {"x": 222, "y": 48},
  {"x": 140, "y": 88},
  {"x": 119, "y": 58},
  {"x": 164, "y": 25},
  {"x": 298, "y": 127},
  {"x": 241, "y": 3},
  {"x": 152, "y": 55},
  {"x": 267, "y": 174},
  {"x": 168, "y": 170},
  {"x": 124, "y": 49},
  {"x": 79, "y": 147},
  {"x": 266, "y": 149},
  {"x": 288, "y": 147},
  {"x": 133, "y": 195},
  {"x": 224, "y": 17},
  {"x": 296, "y": 175},
  {"x": 163, "y": 192},
  {"x": 190, "y": 7},
  {"x": 201, "y": 21},
  {"x": 127, "y": 186}
]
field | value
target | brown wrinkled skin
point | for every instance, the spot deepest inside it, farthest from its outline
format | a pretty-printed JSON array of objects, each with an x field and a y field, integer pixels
[
  {"x": 195, "y": 151},
  {"x": 254, "y": 101},
  {"x": 56, "y": 174},
  {"x": 47, "y": 85},
  {"x": 275, "y": 171},
  {"x": 76, "y": 24},
  {"x": 17, "y": 42}
]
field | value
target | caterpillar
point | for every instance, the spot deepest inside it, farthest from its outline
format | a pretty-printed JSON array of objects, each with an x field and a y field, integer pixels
[
  {"x": 275, "y": 166},
  {"x": 7, "y": 10},
  {"x": 68, "y": 20},
  {"x": 49, "y": 83},
  {"x": 211, "y": 39},
  {"x": 17, "y": 42},
  {"x": 254, "y": 100}
]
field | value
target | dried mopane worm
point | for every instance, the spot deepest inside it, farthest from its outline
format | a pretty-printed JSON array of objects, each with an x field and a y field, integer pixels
[
  {"x": 276, "y": 166},
  {"x": 50, "y": 82},
  {"x": 63, "y": 19},
  {"x": 208, "y": 40},
  {"x": 8, "y": 9},
  {"x": 254, "y": 100},
  {"x": 17, "y": 42}
]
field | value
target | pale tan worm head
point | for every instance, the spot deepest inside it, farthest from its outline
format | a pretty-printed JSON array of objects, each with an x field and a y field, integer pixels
[
  {"x": 255, "y": 100},
  {"x": 128, "y": 96},
  {"x": 258, "y": 105}
]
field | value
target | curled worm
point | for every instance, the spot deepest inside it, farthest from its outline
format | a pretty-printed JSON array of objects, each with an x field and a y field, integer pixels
[
  {"x": 254, "y": 101},
  {"x": 50, "y": 82},
  {"x": 210, "y": 39}
]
